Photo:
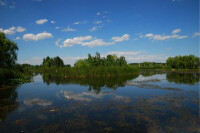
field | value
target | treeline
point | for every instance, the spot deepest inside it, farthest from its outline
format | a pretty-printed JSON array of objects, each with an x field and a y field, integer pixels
[
  {"x": 149, "y": 65},
  {"x": 93, "y": 66},
  {"x": 53, "y": 62},
  {"x": 97, "y": 60},
  {"x": 183, "y": 62}
]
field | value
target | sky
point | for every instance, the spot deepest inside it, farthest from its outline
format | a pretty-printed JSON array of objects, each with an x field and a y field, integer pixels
[{"x": 140, "y": 30}]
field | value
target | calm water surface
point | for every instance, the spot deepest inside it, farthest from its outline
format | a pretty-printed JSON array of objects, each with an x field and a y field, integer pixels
[{"x": 149, "y": 102}]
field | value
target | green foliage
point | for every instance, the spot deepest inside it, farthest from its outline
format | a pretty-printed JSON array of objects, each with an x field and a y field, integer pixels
[
  {"x": 183, "y": 78},
  {"x": 95, "y": 84},
  {"x": 102, "y": 71},
  {"x": 149, "y": 65},
  {"x": 97, "y": 61},
  {"x": 183, "y": 62},
  {"x": 8, "y": 50},
  {"x": 53, "y": 62}
]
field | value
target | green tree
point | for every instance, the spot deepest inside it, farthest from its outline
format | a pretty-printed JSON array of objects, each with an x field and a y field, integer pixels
[{"x": 8, "y": 52}]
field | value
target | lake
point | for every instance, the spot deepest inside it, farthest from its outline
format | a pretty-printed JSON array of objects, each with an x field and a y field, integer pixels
[{"x": 151, "y": 102}]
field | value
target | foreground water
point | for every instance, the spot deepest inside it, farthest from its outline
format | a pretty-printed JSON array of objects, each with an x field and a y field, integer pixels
[{"x": 149, "y": 102}]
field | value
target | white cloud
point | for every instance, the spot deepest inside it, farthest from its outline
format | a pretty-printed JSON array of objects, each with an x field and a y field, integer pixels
[
  {"x": 20, "y": 29},
  {"x": 40, "y": 36},
  {"x": 176, "y": 31},
  {"x": 17, "y": 38},
  {"x": 98, "y": 13},
  {"x": 68, "y": 29},
  {"x": 80, "y": 22},
  {"x": 164, "y": 37},
  {"x": 84, "y": 96},
  {"x": 196, "y": 34},
  {"x": 57, "y": 27},
  {"x": 95, "y": 28},
  {"x": 97, "y": 22},
  {"x": 96, "y": 42},
  {"x": 76, "y": 40},
  {"x": 52, "y": 22},
  {"x": 9, "y": 32},
  {"x": 12, "y": 30},
  {"x": 41, "y": 21},
  {"x": 84, "y": 41},
  {"x": 125, "y": 37},
  {"x": 148, "y": 35},
  {"x": 124, "y": 53}
]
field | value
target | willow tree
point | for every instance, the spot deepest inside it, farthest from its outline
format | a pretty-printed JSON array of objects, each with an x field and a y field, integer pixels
[{"x": 8, "y": 52}]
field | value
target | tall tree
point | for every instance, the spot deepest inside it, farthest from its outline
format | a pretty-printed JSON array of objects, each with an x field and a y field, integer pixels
[{"x": 8, "y": 52}]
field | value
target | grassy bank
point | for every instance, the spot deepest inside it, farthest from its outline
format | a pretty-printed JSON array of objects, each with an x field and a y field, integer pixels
[
  {"x": 108, "y": 71},
  {"x": 14, "y": 76}
]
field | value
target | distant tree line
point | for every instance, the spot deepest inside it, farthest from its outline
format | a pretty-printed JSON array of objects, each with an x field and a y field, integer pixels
[
  {"x": 97, "y": 60},
  {"x": 149, "y": 65},
  {"x": 183, "y": 62},
  {"x": 52, "y": 62}
]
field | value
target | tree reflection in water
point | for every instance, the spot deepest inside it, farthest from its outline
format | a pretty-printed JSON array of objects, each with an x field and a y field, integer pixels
[
  {"x": 95, "y": 84},
  {"x": 183, "y": 78},
  {"x": 8, "y": 103}
]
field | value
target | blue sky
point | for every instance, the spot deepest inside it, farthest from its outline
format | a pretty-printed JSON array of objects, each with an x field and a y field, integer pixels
[{"x": 140, "y": 30}]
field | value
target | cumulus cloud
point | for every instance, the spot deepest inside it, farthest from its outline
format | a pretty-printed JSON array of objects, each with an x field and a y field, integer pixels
[
  {"x": 52, "y": 22},
  {"x": 196, "y": 34},
  {"x": 76, "y": 40},
  {"x": 176, "y": 31},
  {"x": 20, "y": 29},
  {"x": 41, "y": 21},
  {"x": 84, "y": 41},
  {"x": 12, "y": 30},
  {"x": 97, "y": 42},
  {"x": 40, "y": 36},
  {"x": 98, "y": 13},
  {"x": 125, "y": 37},
  {"x": 174, "y": 35},
  {"x": 68, "y": 29},
  {"x": 57, "y": 27}
]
